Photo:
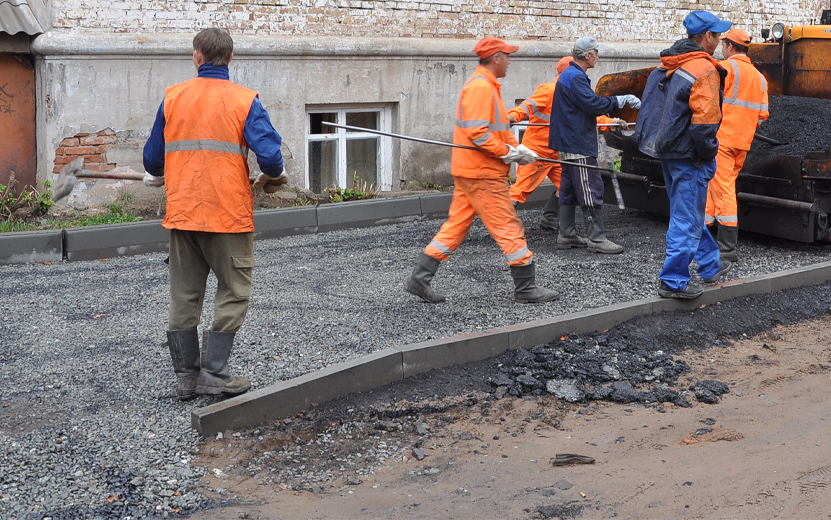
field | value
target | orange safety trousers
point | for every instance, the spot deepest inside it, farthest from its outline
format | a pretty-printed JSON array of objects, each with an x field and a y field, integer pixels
[
  {"x": 530, "y": 176},
  {"x": 489, "y": 199},
  {"x": 721, "y": 192}
]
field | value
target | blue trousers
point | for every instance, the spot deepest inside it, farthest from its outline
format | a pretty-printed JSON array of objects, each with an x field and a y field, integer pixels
[
  {"x": 581, "y": 186},
  {"x": 687, "y": 237}
]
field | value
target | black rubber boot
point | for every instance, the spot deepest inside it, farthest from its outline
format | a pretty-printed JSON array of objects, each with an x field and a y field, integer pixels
[
  {"x": 214, "y": 376},
  {"x": 568, "y": 237},
  {"x": 727, "y": 238},
  {"x": 525, "y": 287},
  {"x": 598, "y": 243},
  {"x": 419, "y": 282},
  {"x": 551, "y": 214},
  {"x": 184, "y": 351}
]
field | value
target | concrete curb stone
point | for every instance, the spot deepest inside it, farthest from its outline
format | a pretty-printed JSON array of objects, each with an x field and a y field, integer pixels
[
  {"x": 107, "y": 241},
  {"x": 31, "y": 246},
  {"x": 292, "y": 396}
]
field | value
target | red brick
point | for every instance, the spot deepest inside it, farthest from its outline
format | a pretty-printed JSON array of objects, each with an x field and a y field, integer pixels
[
  {"x": 94, "y": 159},
  {"x": 63, "y": 159},
  {"x": 70, "y": 141},
  {"x": 59, "y": 151},
  {"x": 103, "y": 140},
  {"x": 57, "y": 169},
  {"x": 80, "y": 150},
  {"x": 107, "y": 131}
]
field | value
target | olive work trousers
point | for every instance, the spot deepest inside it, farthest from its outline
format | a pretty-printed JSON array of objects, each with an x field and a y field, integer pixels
[{"x": 193, "y": 254}]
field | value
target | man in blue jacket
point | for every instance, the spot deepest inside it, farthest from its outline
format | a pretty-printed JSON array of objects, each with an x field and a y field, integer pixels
[
  {"x": 678, "y": 124},
  {"x": 574, "y": 135}
]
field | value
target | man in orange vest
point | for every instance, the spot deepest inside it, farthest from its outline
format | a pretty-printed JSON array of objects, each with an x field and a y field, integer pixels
[
  {"x": 537, "y": 109},
  {"x": 745, "y": 107},
  {"x": 480, "y": 177},
  {"x": 198, "y": 151}
]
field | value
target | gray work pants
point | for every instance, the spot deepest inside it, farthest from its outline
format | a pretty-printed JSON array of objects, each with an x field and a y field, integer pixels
[{"x": 193, "y": 254}]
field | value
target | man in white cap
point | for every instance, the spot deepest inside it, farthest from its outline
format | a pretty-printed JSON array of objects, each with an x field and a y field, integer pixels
[{"x": 574, "y": 135}]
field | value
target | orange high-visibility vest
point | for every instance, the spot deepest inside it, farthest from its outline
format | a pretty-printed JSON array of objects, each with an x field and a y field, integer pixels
[
  {"x": 481, "y": 121},
  {"x": 745, "y": 102},
  {"x": 206, "y": 157}
]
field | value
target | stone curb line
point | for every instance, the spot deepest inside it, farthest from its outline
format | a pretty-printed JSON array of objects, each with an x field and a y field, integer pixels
[
  {"x": 394, "y": 364},
  {"x": 109, "y": 241}
]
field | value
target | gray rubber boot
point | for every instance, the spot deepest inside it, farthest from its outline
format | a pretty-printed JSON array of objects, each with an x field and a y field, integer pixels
[
  {"x": 419, "y": 282},
  {"x": 525, "y": 287},
  {"x": 727, "y": 239},
  {"x": 184, "y": 351},
  {"x": 568, "y": 237},
  {"x": 598, "y": 243},
  {"x": 551, "y": 214},
  {"x": 214, "y": 377}
]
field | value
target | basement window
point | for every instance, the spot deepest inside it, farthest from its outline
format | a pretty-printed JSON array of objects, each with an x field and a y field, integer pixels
[{"x": 336, "y": 156}]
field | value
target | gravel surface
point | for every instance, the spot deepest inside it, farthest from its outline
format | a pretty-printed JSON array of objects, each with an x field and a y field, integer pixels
[{"x": 89, "y": 423}]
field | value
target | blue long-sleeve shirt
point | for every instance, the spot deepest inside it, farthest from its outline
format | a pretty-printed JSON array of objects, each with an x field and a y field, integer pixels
[
  {"x": 259, "y": 133},
  {"x": 574, "y": 113}
]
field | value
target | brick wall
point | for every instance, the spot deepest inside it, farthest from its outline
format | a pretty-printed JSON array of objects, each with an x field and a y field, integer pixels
[
  {"x": 608, "y": 20},
  {"x": 92, "y": 147}
]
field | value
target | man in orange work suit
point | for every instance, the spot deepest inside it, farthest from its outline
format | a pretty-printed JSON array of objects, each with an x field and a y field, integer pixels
[
  {"x": 198, "y": 151},
  {"x": 481, "y": 181},
  {"x": 537, "y": 109},
  {"x": 745, "y": 107}
]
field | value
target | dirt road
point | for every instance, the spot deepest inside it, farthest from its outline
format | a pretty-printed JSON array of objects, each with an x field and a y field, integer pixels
[{"x": 762, "y": 452}]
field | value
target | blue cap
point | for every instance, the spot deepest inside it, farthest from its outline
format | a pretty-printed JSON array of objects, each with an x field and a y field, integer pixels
[{"x": 698, "y": 22}]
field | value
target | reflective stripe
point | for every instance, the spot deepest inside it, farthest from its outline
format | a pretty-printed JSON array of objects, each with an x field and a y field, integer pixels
[
  {"x": 205, "y": 144},
  {"x": 544, "y": 117},
  {"x": 517, "y": 255},
  {"x": 499, "y": 127},
  {"x": 735, "y": 79},
  {"x": 533, "y": 104},
  {"x": 479, "y": 141},
  {"x": 726, "y": 218},
  {"x": 709, "y": 220},
  {"x": 472, "y": 123},
  {"x": 686, "y": 75},
  {"x": 476, "y": 77},
  {"x": 441, "y": 247},
  {"x": 764, "y": 83},
  {"x": 745, "y": 104}
]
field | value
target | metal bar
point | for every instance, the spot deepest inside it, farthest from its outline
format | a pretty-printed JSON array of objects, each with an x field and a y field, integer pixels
[
  {"x": 453, "y": 145},
  {"x": 599, "y": 125},
  {"x": 773, "y": 202},
  {"x": 766, "y": 139}
]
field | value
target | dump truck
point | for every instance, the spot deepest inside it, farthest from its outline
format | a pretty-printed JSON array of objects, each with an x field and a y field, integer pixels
[{"x": 787, "y": 194}]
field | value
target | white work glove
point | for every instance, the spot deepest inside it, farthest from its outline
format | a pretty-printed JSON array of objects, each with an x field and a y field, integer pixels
[
  {"x": 623, "y": 125},
  {"x": 513, "y": 155},
  {"x": 528, "y": 155},
  {"x": 153, "y": 181},
  {"x": 273, "y": 184},
  {"x": 630, "y": 100},
  {"x": 511, "y": 118}
]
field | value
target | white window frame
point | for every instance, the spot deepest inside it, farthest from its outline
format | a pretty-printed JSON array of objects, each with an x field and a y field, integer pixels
[{"x": 341, "y": 136}]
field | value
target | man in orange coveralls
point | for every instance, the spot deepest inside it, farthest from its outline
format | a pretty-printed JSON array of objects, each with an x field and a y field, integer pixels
[
  {"x": 745, "y": 107},
  {"x": 480, "y": 178},
  {"x": 537, "y": 109}
]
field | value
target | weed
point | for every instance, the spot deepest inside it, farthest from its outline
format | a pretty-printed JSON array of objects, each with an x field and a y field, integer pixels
[
  {"x": 431, "y": 186},
  {"x": 300, "y": 201},
  {"x": 616, "y": 164},
  {"x": 28, "y": 203},
  {"x": 360, "y": 190}
]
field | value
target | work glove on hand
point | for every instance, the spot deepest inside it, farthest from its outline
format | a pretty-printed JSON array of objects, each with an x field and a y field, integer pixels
[
  {"x": 513, "y": 155},
  {"x": 623, "y": 125},
  {"x": 511, "y": 118},
  {"x": 527, "y": 155},
  {"x": 630, "y": 100},
  {"x": 273, "y": 184},
  {"x": 153, "y": 181}
]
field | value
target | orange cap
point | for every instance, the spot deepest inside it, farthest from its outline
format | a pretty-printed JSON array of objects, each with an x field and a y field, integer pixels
[
  {"x": 490, "y": 45},
  {"x": 738, "y": 36},
  {"x": 563, "y": 63}
]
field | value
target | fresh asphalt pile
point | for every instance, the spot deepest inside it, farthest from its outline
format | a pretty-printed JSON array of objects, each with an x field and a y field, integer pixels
[
  {"x": 803, "y": 124},
  {"x": 89, "y": 423}
]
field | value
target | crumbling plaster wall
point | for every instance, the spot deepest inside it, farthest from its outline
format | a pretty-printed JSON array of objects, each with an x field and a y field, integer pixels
[{"x": 611, "y": 20}]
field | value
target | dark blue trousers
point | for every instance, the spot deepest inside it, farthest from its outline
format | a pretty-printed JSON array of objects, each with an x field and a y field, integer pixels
[{"x": 687, "y": 236}]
